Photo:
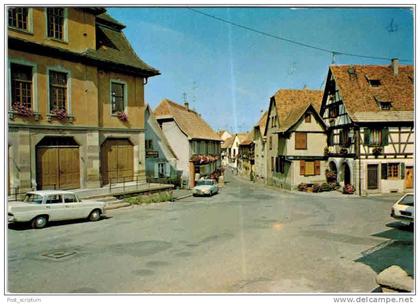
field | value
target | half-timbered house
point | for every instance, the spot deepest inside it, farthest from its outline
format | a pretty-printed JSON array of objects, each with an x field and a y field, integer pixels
[
  {"x": 246, "y": 156},
  {"x": 296, "y": 136},
  {"x": 369, "y": 111}
]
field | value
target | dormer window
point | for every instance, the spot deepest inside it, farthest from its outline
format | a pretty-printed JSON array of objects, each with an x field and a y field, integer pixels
[
  {"x": 385, "y": 105},
  {"x": 374, "y": 82}
]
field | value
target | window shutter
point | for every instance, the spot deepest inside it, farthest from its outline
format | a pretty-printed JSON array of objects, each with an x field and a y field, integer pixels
[
  {"x": 156, "y": 170},
  {"x": 317, "y": 167},
  {"x": 302, "y": 167},
  {"x": 402, "y": 170},
  {"x": 367, "y": 136},
  {"x": 384, "y": 171},
  {"x": 385, "y": 133},
  {"x": 300, "y": 141}
]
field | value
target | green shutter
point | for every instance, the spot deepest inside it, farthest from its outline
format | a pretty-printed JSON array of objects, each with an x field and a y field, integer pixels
[
  {"x": 384, "y": 171},
  {"x": 367, "y": 136},
  {"x": 385, "y": 133},
  {"x": 402, "y": 170}
]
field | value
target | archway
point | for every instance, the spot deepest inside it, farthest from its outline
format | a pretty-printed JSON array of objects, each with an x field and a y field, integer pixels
[
  {"x": 57, "y": 163},
  {"x": 347, "y": 174}
]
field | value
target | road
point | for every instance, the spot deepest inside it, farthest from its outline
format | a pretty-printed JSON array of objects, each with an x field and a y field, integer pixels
[{"x": 248, "y": 238}]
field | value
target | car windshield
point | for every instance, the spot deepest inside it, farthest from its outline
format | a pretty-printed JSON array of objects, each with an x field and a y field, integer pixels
[
  {"x": 205, "y": 183},
  {"x": 33, "y": 198},
  {"x": 408, "y": 200}
]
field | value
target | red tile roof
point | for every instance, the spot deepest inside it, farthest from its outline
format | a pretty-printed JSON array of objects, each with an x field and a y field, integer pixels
[
  {"x": 188, "y": 120},
  {"x": 359, "y": 96},
  {"x": 292, "y": 104}
]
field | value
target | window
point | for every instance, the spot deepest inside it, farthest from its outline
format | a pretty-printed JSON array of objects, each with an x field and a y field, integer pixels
[
  {"x": 333, "y": 111},
  {"x": 330, "y": 138},
  {"x": 55, "y": 22},
  {"x": 21, "y": 82},
  {"x": 374, "y": 82},
  {"x": 376, "y": 137},
  {"x": 161, "y": 169},
  {"x": 300, "y": 141},
  {"x": 18, "y": 18},
  {"x": 393, "y": 170},
  {"x": 33, "y": 198},
  {"x": 280, "y": 164},
  {"x": 270, "y": 142},
  {"x": 149, "y": 144},
  {"x": 309, "y": 168},
  {"x": 307, "y": 117},
  {"x": 117, "y": 97},
  {"x": 385, "y": 105},
  {"x": 54, "y": 199},
  {"x": 345, "y": 139},
  {"x": 272, "y": 164},
  {"x": 70, "y": 198},
  {"x": 58, "y": 90}
]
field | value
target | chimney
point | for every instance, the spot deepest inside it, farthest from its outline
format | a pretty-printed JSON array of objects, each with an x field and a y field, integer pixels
[
  {"x": 394, "y": 65},
  {"x": 187, "y": 105}
]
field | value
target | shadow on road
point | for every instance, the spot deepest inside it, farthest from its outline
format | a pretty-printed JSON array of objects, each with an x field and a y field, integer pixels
[
  {"x": 396, "y": 250},
  {"x": 27, "y": 226}
]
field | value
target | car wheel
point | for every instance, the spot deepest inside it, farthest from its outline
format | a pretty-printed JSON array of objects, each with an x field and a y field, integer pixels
[
  {"x": 95, "y": 215},
  {"x": 39, "y": 222}
]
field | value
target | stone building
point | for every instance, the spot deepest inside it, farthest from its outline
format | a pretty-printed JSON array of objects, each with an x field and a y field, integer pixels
[{"x": 75, "y": 98}]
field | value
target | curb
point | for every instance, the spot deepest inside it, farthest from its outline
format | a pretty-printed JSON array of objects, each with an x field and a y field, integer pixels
[
  {"x": 182, "y": 197},
  {"x": 117, "y": 206}
]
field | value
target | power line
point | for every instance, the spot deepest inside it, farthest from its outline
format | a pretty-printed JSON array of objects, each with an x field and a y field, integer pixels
[{"x": 333, "y": 52}]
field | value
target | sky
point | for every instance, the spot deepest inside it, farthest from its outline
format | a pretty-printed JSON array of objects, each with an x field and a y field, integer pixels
[{"x": 229, "y": 73}]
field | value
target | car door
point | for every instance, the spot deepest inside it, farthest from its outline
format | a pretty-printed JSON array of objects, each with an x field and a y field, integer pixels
[
  {"x": 74, "y": 208},
  {"x": 55, "y": 208}
]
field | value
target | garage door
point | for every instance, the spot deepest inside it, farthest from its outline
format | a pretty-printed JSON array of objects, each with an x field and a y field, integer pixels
[
  {"x": 117, "y": 161},
  {"x": 58, "y": 167}
]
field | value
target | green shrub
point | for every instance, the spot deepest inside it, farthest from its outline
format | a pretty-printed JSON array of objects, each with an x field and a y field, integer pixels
[
  {"x": 325, "y": 187},
  {"x": 150, "y": 198}
]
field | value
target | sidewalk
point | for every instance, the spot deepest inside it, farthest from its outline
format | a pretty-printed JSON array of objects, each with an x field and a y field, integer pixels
[
  {"x": 329, "y": 194},
  {"x": 181, "y": 194},
  {"x": 120, "y": 189}
]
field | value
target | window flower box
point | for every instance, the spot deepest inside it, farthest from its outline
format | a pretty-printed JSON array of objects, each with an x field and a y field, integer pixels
[
  {"x": 23, "y": 111},
  {"x": 60, "y": 114},
  {"x": 122, "y": 116}
]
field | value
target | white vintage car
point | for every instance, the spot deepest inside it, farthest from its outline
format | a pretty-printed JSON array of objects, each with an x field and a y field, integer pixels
[
  {"x": 41, "y": 207},
  {"x": 205, "y": 187},
  {"x": 403, "y": 209}
]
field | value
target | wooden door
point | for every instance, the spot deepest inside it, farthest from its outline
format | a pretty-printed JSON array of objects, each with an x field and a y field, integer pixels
[
  {"x": 117, "y": 161},
  {"x": 58, "y": 168},
  {"x": 47, "y": 168},
  {"x": 409, "y": 177},
  {"x": 69, "y": 167},
  {"x": 372, "y": 176}
]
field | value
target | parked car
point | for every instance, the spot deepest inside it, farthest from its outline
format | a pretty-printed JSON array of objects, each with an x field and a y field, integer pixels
[
  {"x": 41, "y": 207},
  {"x": 205, "y": 187},
  {"x": 403, "y": 209}
]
